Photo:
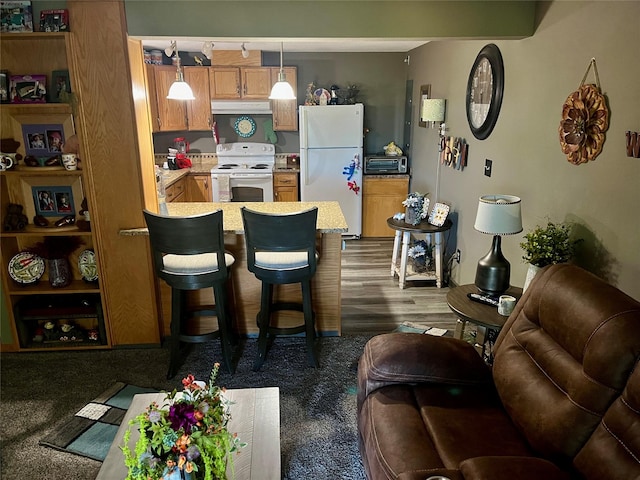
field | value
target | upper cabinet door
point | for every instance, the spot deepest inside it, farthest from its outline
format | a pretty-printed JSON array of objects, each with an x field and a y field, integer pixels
[
  {"x": 224, "y": 82},
  {"x": 198, "y": 110},
  {"x": 172, "y": 114},
  {"x": 256, "y": 82},
  {"x": 285, "y": 112}
]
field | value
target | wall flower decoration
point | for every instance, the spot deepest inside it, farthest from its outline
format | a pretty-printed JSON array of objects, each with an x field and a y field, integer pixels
[{"x": 585, "y": 119}]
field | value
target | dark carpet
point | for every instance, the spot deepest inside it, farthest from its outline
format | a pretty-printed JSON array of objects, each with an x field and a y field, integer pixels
[{"x": 41, "y": 391}]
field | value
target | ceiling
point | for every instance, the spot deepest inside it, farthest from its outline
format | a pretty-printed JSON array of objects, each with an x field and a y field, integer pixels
[{"x": 193, "y": 44}]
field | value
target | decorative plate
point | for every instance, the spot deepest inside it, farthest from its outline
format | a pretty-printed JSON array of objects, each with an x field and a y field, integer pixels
[
  {"x": 439, "y": 214},
  {"x": 87, "y": 266},
  {"x": 245, "y": 126},
  {"x": 322, "y": 96},
  {"x": 26, "y": 267}
]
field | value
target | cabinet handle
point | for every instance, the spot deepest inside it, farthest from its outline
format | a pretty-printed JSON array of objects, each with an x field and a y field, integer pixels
[{"x": 245, "y": 89}]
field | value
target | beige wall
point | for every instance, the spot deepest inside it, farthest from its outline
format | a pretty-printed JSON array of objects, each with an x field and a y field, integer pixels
[{"x": 601, "y": 197}]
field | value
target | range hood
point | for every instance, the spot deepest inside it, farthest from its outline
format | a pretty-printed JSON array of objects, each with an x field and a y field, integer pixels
[{"x": 240, "y": 106}]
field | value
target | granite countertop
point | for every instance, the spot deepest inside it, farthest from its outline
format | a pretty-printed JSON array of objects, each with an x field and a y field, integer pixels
[{"x": 330, "y": 216}]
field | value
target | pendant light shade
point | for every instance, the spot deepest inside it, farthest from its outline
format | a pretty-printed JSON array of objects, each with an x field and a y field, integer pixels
[
  {"x": 179, "y": 90},
  {"x": 282, "y": 90}
]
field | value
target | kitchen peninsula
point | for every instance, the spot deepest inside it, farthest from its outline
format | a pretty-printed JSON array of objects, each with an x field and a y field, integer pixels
[{"x": 246, "y": 288}]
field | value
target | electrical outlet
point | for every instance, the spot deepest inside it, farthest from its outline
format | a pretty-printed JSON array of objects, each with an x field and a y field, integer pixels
[
  {"x": 487, "y": 167},
  {"x": 457, "y": 256}
]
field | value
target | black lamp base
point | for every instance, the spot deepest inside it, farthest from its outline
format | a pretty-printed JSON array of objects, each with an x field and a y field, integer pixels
[{"x": 493, "y": 271}]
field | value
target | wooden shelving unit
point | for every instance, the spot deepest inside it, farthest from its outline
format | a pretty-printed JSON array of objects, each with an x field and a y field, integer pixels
[{"x": 42, "y": 53}]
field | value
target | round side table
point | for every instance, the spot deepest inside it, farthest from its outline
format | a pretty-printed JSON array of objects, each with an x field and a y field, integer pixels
[
  {"x": 404, "y": 230},
  {"x": 486, "y": 317}
]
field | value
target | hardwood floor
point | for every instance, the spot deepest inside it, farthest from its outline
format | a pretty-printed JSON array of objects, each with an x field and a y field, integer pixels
[{"x": 372, "y": 302}]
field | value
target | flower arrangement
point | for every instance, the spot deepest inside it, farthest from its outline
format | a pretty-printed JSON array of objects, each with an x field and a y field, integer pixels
[
  {"x": 548, "y": 245},
  {"x": 417, "y": 208},
  {"x": 421, "y": 254},
  {"x": 185, "y": 439}
]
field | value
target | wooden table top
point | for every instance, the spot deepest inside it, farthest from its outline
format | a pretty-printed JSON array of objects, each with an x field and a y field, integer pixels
[
  {"x": 422, "y": 227},
  {"x": 255, "y": 417},
  {"x": 474, "y": 312}
]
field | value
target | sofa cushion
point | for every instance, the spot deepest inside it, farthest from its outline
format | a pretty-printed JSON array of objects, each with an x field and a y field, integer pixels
[
  {"x": 611, "y": 452},
  {"x": 564, "y": 357}
]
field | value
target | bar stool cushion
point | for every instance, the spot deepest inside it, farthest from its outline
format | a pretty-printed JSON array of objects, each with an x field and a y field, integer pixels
[
  {"x": 282, "y": 260},
  {"x": 198, "y": 264}
]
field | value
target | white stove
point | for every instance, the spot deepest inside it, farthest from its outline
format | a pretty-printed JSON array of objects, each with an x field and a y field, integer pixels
[{"x": 244, "y": 172}]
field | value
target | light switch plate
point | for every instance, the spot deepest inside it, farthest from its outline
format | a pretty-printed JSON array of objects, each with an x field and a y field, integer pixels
[{"x": 487, "y": 167}]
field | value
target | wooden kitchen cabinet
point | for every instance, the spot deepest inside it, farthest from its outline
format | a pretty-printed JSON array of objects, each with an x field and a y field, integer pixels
[
  {"x": 176, "y": 192},
  {"x": 152, "y": 95},
  {"x": 199, "y": 188},
  {"x": 199, "y": 116},
  {"x": 256, "y": 82},
  {"x": 172, "y": 114},
  {"x": 285, "y": 112},
  {"x": 382, "y": 197},
  {"x": 233, "y": 83},
  {"x": 285, "y": 186},
  {"x": 224, "y": 83}
]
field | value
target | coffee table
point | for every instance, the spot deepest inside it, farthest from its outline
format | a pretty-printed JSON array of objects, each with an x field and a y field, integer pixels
[{"x": 255, "y": 416}]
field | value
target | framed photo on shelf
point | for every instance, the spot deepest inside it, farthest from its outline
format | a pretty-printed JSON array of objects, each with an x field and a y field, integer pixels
[
  {"x": 60, "y": 86},
  {"x": 28, "y": 88},
  {"x": 16, "y": 16},
  {"x": 56, "y": 20},
  {"x": 42, "y": 136},
  {"x": 4, "y": 86},
  {"x": 53, "y": 197},
  {"x": 439, "y": 214}
]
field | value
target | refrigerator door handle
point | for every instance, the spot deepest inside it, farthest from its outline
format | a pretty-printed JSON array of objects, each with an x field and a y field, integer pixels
[
  {"x": 304, "y": 165},
  {"x": 303, "y": 128}
]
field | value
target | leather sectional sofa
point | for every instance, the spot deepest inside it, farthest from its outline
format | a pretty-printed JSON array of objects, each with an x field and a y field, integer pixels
[{"x": 562, "y": 400}]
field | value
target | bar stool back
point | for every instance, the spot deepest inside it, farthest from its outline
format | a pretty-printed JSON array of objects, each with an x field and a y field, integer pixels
[
  {"x": 188, "y": 254},
  {"x": 281, "y": 249}
]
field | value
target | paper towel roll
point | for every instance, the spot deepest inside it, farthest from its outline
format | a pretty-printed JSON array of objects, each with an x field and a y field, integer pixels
[{"x": 224, "y": 190}]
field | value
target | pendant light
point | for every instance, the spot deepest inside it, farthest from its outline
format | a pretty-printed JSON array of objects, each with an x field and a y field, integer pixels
[
  {"x": 282, "y": 89},
  {"x": 180, "y": 90}
]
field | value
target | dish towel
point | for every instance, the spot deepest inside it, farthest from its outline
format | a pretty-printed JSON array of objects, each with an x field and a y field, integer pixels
[{"x": 224, "y": 190}]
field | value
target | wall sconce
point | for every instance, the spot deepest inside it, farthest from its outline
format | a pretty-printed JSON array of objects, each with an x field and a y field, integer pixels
[
  {"x": 282, "y": 90},
  {"x": 179, "y": 90},
  {"x": 497, "y": 215},
  {"x": 207, "y": 49},
  {"x": 245, "y": 52}
]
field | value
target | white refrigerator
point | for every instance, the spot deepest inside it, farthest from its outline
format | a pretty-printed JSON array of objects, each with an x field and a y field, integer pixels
[{"x": 331, "y": 158}]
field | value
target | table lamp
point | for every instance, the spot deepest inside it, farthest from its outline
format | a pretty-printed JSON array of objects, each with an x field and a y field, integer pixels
[{"x": 497, "y": 215}]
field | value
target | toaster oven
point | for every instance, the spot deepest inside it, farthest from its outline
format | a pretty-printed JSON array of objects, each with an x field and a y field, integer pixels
[{"x": 385, "y": 164}]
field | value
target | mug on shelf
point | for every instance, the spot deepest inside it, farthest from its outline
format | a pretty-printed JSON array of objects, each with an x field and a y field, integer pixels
[
  {"x": 6, "y": 162},
  {"x": 69, "y": 161}
]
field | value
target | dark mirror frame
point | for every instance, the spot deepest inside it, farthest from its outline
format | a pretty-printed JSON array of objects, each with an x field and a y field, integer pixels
[{"x": 492, "y": 53}]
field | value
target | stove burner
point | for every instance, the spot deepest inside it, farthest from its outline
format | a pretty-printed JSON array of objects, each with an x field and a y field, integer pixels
[
  {"x": 260, "y": 166},
  {"x": 228, "y": 166}
]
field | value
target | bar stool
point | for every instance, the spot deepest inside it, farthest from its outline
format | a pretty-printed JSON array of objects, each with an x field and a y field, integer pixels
[
  {"x": 188, "y": 254},
  {"x": 281, "y": 249}
]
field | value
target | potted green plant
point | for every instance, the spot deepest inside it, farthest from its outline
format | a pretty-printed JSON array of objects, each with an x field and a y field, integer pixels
[{"x": 547, "y": 245}]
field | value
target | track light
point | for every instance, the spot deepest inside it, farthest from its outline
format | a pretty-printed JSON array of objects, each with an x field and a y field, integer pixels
[
  {"x": 245, "y": 52},
  {"x": 207, "y": 49}
]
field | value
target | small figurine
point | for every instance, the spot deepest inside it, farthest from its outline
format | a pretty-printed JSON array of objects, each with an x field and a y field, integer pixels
[
  {"x": 198, "y": 60},
  {"x": 392, "y": 149},
  {"x": 309, "y": 99},
  {"x": 50, "y": 331},
  {"x": 334, "y": 95},
  {"x": 15, "y": 219}
]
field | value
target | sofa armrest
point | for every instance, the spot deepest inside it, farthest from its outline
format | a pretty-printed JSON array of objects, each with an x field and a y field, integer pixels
[
  {"x": 396, "y": 358},
  {"x": 424, "y": 474},
  {"x": 508, "y": 468}
]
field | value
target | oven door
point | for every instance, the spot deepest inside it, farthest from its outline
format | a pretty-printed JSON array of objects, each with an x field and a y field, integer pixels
[{"x": 256, "y": 187}]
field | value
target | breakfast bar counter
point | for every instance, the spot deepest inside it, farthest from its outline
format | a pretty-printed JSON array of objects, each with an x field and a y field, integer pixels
[{"x": 246, "y": 288}]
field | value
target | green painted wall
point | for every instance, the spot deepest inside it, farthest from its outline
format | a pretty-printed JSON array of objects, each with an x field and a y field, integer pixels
[{"x": 349, "y": 19}]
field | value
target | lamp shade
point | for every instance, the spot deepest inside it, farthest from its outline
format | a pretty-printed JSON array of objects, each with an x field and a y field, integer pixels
[
  {"x": 180, "y": 90},
  {"x": 433, "y": 110},
  {"x": 282, "y": 90},
  {"x": 499, "y": 215}
]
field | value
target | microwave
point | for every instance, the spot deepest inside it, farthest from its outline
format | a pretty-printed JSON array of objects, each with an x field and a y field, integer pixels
[{"x": 385, "y": 164}]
